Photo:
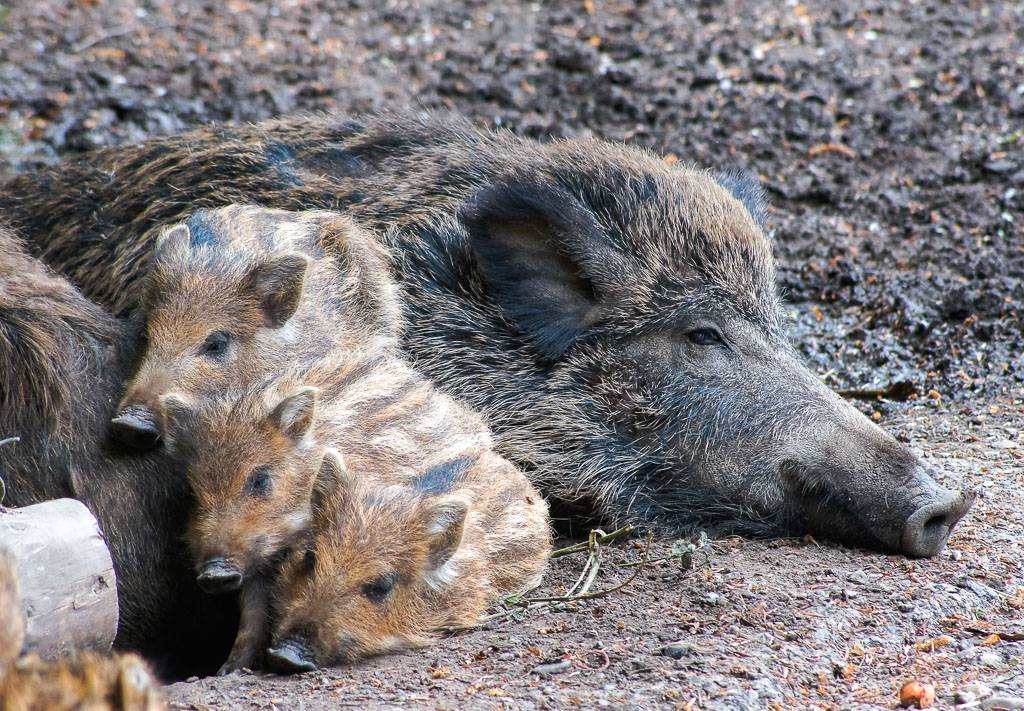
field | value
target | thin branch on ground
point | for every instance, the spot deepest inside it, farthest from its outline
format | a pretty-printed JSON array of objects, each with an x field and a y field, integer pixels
[
  {"x": 601, "y": 538},
  {"x": 580, "y": 590},
  {"x": 609, "y": 591},
  {"x": 113, "y": 33}
]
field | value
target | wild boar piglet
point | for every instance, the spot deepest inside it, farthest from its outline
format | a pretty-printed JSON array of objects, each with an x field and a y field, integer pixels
[
  {"x": 238, "y": 293},
  {"x": 387, "y": 567}
]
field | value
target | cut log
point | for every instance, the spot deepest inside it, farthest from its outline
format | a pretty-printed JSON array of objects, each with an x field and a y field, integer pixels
[{"x": 66, "y": 576}]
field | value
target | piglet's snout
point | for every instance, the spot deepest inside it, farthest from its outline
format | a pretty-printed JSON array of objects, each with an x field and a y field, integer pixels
[
  {"x": 219, "y": 576},
  {"x": 290, "y": 657},
  {"x": 136, "y": 426}
]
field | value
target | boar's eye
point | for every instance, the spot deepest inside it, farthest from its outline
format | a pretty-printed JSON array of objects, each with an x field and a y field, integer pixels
[
  {"x": 309, "y": 561},
  {"x": 215, "y": 345},
  {"x": 258, "y": 483},
  {"x": 380, "y": 588},
  {"x": 705, "y": 337}
]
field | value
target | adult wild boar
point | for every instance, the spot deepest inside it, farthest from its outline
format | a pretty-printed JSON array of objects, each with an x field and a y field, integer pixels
[{"x": 615, "y": 318}]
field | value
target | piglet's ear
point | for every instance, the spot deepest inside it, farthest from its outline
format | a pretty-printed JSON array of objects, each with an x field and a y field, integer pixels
[
  {"x": 333, "y": 480},
  {"x": 446, "y": 521},
  {"x": 294, "y": 415},
  {"x": 544, "y": 257},
  {"x": 277, "y": 284},
  {"x": 173, "y": 241},
  {"x": 179, "y": 422}
]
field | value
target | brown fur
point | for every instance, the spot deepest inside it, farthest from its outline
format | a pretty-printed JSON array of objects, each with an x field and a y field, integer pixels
[
  {"x": 388, "y": 421},
  {"x": 389, "y": 566},
  {"x": 84, "y": 681},
  {"x": 218, "y": 280},
  {"x": 122, "y": 682}
]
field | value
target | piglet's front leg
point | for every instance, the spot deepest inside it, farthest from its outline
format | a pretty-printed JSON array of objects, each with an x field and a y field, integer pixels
[{"x": 253, "y": 627}]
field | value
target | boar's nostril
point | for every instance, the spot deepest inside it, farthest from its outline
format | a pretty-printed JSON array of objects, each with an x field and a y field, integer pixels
[
  {"x": 136, "y": 427},
  {"x": 218, "y": 576},
  {"x": 927, "y": 529},
  {"x": 289, "y": 657}
]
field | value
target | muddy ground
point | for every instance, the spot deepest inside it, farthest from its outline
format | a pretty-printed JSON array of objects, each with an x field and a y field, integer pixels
[{"x": 890, "y": 138}]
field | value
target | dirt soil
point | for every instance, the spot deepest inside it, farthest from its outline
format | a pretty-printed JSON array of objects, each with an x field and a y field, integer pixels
[{"x": 890, "y": 138}]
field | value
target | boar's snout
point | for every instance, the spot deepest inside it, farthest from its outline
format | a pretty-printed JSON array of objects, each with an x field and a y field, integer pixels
[
  {"x": 219, "y": 576},
  {"x": 290, "y": 657},
  {"x": 136, "y": 427},
  {"x": 887, "y": 502},
  {"x": 927, "y": 529}
]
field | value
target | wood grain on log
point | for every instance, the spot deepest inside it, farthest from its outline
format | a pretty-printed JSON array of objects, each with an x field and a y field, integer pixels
[{"x": 66, "y": 575}]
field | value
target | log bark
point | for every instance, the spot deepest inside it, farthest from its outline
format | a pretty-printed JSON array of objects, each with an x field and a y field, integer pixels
[{"x": 66, "y": 576}]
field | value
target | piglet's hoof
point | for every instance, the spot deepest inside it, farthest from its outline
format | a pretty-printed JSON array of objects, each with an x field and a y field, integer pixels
[{"x": 231, "y": 666}]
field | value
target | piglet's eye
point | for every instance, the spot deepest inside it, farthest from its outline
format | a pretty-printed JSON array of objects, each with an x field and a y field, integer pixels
[
  {"x": 215, "y": 345},
  {"x": 309, "y": 561},
  {"x": 379, "y": 589},
  {"x": 259, "y": 482}
]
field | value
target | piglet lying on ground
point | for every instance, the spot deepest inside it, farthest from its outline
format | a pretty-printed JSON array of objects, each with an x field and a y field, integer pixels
[
  {"x": 252, "y": 457},
  {"x": 389, "y": 565}
]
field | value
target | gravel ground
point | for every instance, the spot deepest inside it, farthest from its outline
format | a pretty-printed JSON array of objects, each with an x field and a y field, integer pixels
[{"x": 889, "y": 137}]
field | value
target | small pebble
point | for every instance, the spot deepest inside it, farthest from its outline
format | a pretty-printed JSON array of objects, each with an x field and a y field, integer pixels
[
  {"x": 858, "y": 577},
  {"x": 676, "y": 650},
  {"x": 962, "y": 696},
  {"x": 552, "y": 668},
  {"x": 991, "y": 659}
]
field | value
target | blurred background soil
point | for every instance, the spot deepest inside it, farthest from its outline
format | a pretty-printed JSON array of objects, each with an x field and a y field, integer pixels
[{"x": 890, "y": 140}]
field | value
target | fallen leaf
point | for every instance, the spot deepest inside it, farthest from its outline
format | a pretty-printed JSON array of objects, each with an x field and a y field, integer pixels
[
  {"x": 933, "y": 644},
  {"x": 820, "y": 148},
  {"x": 917, "y": 693}
]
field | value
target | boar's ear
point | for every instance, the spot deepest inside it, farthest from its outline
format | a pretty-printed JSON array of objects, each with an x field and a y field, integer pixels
[
  {"x": 332, "y": 479},
  {"x": 179, "y": 422},
  {"x": 295, "y": 413},
  {"x": 746, "y": 188},
  {"x": 446, "y": 521},
  {"x": 172, "y": 241},
  {"x": 544, "y": 257},
  {"x": 277, "y": 284}
]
